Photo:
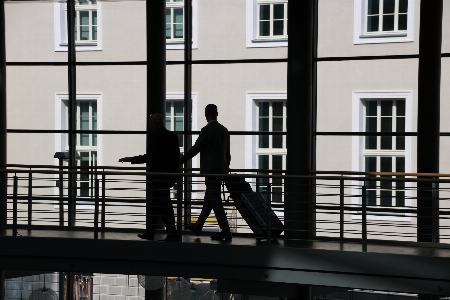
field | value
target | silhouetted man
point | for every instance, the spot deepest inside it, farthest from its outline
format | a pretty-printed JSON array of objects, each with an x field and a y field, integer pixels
[
  {"x": 213, "y": 144},
  {"x": 163, "y": 156}
]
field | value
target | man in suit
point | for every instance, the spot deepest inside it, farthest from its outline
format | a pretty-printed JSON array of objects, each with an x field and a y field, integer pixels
[
  {"x": 213, "y": 144},
  {"x": 163, "y": 156}
]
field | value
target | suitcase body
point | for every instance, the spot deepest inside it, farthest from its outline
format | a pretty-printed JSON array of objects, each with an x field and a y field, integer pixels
[{"x": 253, "y": 208}]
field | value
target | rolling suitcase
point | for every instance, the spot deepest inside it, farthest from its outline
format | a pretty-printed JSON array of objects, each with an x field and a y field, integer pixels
[{"x": 253, "y": 208}]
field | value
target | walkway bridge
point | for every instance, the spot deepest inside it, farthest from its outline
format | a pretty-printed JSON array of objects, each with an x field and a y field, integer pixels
[{"x": 359, "y": 242}]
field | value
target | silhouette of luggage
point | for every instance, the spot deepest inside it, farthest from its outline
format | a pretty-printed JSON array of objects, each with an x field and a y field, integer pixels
[{"x": 253, "y": 208}]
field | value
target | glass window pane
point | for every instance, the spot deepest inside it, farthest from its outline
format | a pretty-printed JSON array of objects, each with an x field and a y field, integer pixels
[
  {"x": 371, "y": 126},
  {"x": 371, "y": 108},
  {"x": 168, "y": 116},
  {"x": 94, "y": 17},
  {"x": 402, "y": 22},
  {"x": 371, "y": 197},
  {"x": 385, "y": 164},
  {"x": 264, "y": 12},
  {"x": 178, "y": 109},
  {"x": 277, "y": 109},
  {"x": 168, "y": 16},
  {"x": 400, "y": 164},
  {"x": 278, "y": 11},
  {"x": 400, "y": 198},
  {"x": 402, "y": 6},
  {"x": 94, "y": 33},
  {"x": 263, "y": 109},
  {"x": 84, "y": 33},
  {"x": 388, "y": 6},
  {"x": 94, "y": 122},
  {"x": 178, "y": 15},
  {"x": 277, "y": 162},
  {"x": 168, "y": 31},
  {"x": 388, "y": 23},
  {"x": 178, "y": 31},
  {"x": 277, "y": 194},
  {"x": 400, "y": 107},
  {"x": 278, "y": 27},
  {"x": 84, "y": 122},
  {"x": 370, "y": 164},
  {"x": 386, "y": 107},
  {"x": 386, "y": 198},
  {"x": 84, "y": 189},
  {"x": 400, "y": 140},
  {"x": 386, "y": 126},
  {"x": 372, "y": 23},
  {"x": 84, "y": 18},
  {"x": 264, "y": 28},
  {"x": 84, "y": 162},
  {"x": 263, "y": 162},
  {"x": 373, "y": 7},
  {"x": 277, "y": 124}
]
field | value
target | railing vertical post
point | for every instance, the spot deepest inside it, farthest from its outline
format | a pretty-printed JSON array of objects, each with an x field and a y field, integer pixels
[
  {"x": 30, "y": 198},
  {"x": 364, "y": 219},
  {"x": 15, "y": 205},
  {"x": 97, "y": 200},
  {"x": 341, "y": 208},
  {"x": 103, "y": 220},
  {"x": 61, "y": 193},
  {"x": 180, "y": 209},
  {"x": 269, "y": 212},
  {"x": 435, "y": 212}
]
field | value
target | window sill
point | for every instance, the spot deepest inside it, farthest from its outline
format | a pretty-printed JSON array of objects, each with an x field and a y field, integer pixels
[
  {"x": 269, "y": 40},
  {"x": 382, "y": 35},
  {"x": 80, "y": 44}
]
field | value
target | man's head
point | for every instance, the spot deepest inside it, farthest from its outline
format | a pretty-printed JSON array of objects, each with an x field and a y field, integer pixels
[
  {"x": 211, "y": 112},
  {"x": 155, "y": 121}
]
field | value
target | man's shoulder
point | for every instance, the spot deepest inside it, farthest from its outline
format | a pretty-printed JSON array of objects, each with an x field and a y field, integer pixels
[{"x": 214, "y": 124}]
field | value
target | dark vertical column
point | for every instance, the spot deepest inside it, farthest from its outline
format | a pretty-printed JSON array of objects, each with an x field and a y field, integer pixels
[
  {"x": 428, "y": 123},
  {"x": 300, "y": 82},
  {"x": 72, "y": 110},
  {"x": 3, "y": 140},
  {"x": 2, "y": 282},
  {"x": 156, "y": 79},
  {"x": 187, "y": 138}
]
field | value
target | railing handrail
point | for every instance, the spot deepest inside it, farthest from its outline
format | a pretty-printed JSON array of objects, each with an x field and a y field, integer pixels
[{"x": 364, "y": 176}]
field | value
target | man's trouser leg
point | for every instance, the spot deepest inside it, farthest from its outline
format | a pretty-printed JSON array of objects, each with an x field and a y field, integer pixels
[
  {"x": 213, "y": 187},
  {"x": 163, "y": 201}
]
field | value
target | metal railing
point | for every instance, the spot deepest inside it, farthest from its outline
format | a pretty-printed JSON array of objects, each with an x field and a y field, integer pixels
[{"x": 349, "y": 206}]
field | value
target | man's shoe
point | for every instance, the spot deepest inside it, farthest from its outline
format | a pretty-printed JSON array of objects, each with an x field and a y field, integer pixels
[
  {"x": 147, "y": 236},
  {"x": 194, "y": 229},
  {"x": 170, "y": 238},
  {"x": 222, "y": 236}
]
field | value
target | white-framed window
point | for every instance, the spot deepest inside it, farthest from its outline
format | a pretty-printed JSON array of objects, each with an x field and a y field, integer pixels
[
  {"x": 88, "y": 27},
  {"x": 175, "y": 119},
  {"x": 267, "y": 152},
  {"x": 174, "y": 20},
  {"x": 384, "y": 153},
  {"x": 86, "y": 119},
  {"x": 383, "y": 112},
  {"x": 383, "y": 21},
  {"x": 88, "y": 146},
  {"x": 175, "y": 24},
  {"x": 267, "y": 23}
]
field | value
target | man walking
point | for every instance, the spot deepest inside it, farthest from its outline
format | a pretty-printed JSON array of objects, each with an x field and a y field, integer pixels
[
  {"x": 163, "y": 156},
  {"x": 213, "y": 144}
]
